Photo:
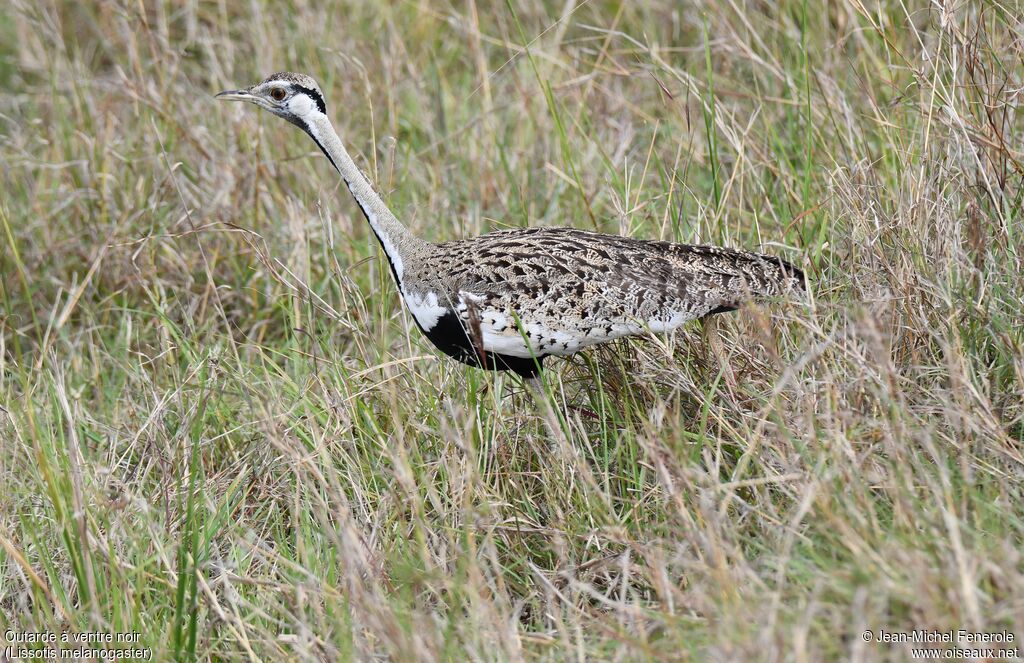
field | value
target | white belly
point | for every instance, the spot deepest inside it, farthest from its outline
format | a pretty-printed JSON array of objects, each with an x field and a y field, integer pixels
[{"x": 501, "y": 334}]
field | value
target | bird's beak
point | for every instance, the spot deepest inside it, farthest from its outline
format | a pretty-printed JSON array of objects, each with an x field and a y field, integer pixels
[
  {"x": 245, "y": 95},
  {"x": 235, "y": 95}
]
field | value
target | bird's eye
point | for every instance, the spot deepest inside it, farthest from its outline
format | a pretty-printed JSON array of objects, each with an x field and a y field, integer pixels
[{"x": 277, "y": 93}]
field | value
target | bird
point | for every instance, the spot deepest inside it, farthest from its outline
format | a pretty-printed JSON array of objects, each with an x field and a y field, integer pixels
[{"x": 506, "y": 300}]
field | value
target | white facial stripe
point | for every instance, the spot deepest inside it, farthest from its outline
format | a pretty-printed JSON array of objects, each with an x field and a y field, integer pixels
[
  {"x": 276, "y": 83},
  {"x": 301, "y": 105}
]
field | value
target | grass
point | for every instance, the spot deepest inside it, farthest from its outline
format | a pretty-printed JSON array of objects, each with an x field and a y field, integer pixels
[{"x": 220, "y": 430}]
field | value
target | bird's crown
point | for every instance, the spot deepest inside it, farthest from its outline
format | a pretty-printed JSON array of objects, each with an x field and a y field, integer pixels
[{"x": 298, "y": 80}]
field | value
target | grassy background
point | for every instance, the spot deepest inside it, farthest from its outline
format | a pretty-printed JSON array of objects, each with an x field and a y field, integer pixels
[{"x": 220, "y": 430}]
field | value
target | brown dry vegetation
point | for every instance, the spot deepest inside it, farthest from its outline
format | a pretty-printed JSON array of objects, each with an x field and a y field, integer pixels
[{"x": 220, "y": 430}]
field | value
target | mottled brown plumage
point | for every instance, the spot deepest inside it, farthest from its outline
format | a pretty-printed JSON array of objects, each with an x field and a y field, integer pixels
[
  {"x": 572, "y": 288},
  {"x": 508, "y": 299}
]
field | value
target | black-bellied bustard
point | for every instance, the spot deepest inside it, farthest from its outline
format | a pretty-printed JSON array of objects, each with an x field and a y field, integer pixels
[{"x": 508, "y": 299}]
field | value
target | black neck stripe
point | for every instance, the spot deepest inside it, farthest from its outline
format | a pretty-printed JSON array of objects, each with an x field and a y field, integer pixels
[
  {"x": 315, "y": 96},
  {"x": 391, "y": 264}
]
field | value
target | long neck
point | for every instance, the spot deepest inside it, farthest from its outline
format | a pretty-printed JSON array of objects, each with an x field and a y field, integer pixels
[{"x": 394, "y": 238}]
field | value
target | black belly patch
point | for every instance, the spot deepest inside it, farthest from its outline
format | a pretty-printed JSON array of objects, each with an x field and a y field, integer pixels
[{"x": 450, "y": 337}]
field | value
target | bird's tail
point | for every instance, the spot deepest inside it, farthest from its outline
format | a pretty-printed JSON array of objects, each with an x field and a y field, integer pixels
[
  {"x": 757, "y": 276},
  {"x": 790, "y": 277}
]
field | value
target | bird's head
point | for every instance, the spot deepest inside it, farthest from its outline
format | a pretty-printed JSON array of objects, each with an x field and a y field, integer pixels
[{"x": 295, "y": 97}]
